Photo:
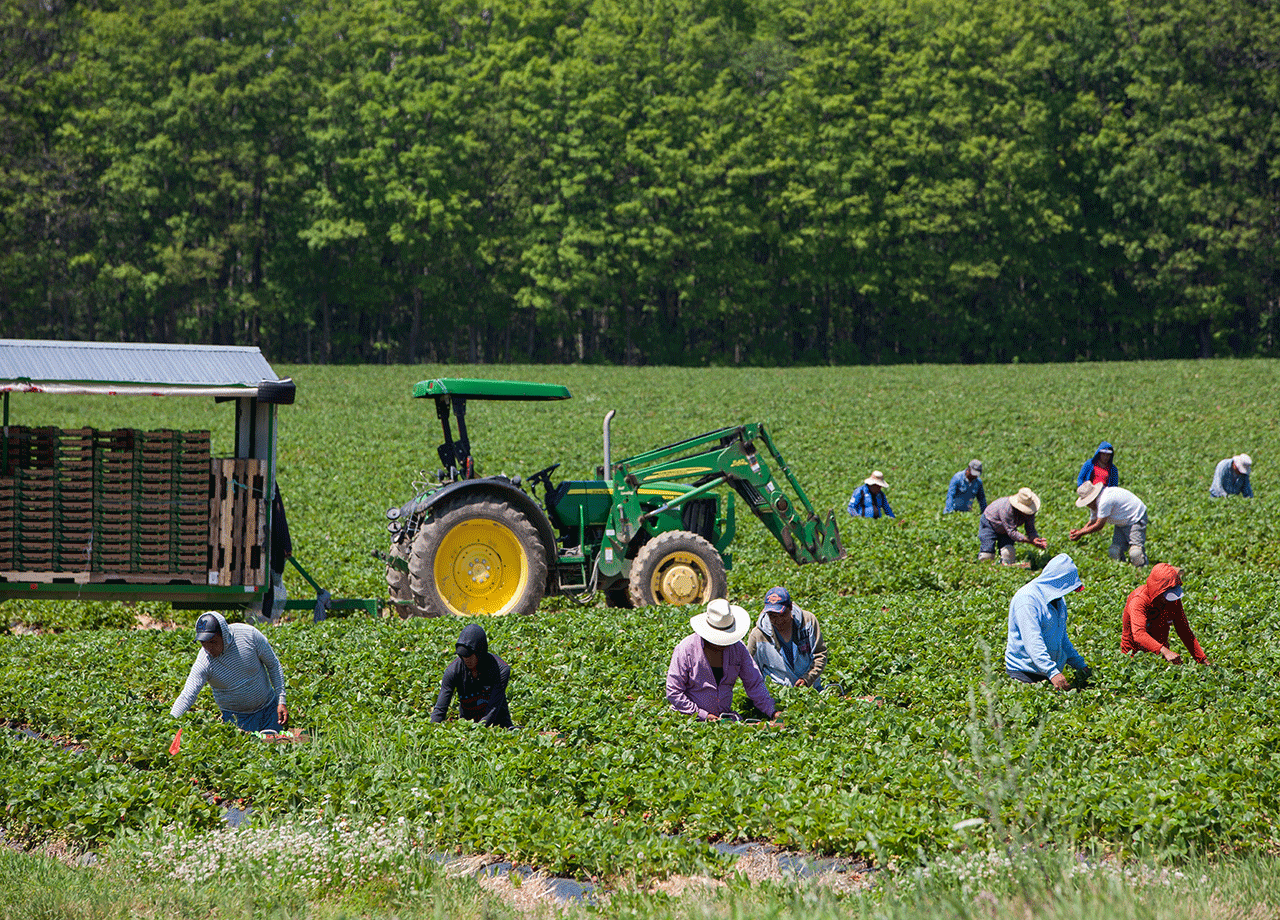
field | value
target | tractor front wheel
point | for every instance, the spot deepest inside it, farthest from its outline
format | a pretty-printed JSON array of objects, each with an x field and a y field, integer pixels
[
  {"x": 477, "y": 556},
  {"x": 677, "y": 567}
]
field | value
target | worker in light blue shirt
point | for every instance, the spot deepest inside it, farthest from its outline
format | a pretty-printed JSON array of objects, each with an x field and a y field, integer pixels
[
  {"x": 965, "y": 486},
  {"x": 1231, "y": 477},
  {"x": 1038, "y": 647}
]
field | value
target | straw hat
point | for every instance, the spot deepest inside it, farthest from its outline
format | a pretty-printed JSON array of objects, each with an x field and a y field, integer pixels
[
  {"x": 1025, "y": 501},
  {"x": 876, "y": 479},
  {"x": 1088, "y": 491},
  {"x": 721, "y": 623},
  {"x": 1243, "y": 462}
]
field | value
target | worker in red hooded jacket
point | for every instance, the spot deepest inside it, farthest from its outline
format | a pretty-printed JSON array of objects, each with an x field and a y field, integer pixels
[{"x": 1149, "y": 612}]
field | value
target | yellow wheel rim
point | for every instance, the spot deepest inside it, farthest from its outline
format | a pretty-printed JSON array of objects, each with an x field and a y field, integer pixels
[
  {"x": 681, "y": 578},
  {"x": 480, "y": 568}
]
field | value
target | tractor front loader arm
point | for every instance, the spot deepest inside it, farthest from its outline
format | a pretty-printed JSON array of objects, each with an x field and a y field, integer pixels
[{"x": 727, "y": 456}]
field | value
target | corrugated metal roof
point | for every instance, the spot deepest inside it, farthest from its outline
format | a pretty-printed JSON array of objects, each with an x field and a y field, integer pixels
[{"x": 41, "y": 361}]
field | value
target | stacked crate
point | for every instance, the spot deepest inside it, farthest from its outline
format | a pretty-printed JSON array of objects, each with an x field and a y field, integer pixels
[
  {"x": 116, "y": 490},
  {"x": 34, "y": 453},
  {"x": 120, "y": 505},
  {"x": 74, "y": 501},
  {"x": 173, "y": 503}
]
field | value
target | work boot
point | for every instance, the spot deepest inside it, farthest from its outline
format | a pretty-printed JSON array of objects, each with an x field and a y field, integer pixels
[
  {"x": 986, "y": 557},
  {"x": 1138, "y": 556},
  {"x": 1008, "y": 555}
]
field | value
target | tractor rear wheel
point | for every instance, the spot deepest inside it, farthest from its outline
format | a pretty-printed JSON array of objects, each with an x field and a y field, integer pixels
[
  {"x": 677, "y": 567},
  {"x": 477, "y": 556},
  {"x": 398, "y": 584}
]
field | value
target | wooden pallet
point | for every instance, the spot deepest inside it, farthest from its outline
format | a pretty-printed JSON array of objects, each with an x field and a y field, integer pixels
[{"x": 237, "y": 522}]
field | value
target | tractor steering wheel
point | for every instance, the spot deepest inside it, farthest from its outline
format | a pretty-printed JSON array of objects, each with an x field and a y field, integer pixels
[{"x": 544, "y": 477}]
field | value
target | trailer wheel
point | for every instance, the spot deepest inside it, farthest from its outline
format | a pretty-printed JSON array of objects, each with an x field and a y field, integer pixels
[
  {"x": 677, "y": 567},
  {"x": 398, "y": 584},
  {"x": 477, "y": 556}
]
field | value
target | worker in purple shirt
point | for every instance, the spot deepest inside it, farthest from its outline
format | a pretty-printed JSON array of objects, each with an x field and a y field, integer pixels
[{"x": 706, "y": 665}]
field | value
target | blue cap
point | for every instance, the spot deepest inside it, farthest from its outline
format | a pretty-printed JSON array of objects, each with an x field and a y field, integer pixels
[
  {"x": 1173, "y": 593},
  {"x": 776, "y": 600}
]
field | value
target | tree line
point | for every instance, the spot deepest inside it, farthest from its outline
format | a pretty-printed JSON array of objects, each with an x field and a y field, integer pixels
[{"x": 645, "y": 181}]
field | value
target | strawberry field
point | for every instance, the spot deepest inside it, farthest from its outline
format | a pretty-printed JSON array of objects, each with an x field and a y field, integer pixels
[{"x": 927, "y": 747}]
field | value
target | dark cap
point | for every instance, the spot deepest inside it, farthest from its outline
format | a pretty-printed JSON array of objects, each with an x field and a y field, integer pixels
[
  {"x": 464, "y": 651},
  {"x": 207, "y": 627},
  {"x": 776, "y": 600}
]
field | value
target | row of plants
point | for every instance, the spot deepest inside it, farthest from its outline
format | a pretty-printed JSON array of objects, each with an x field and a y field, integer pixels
[
  {"x": 601, "y": 777},
  {"x": 927, "y": 746}
]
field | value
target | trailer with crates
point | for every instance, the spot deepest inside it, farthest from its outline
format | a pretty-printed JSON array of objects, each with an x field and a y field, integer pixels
[{"x": 126, "y": 514}]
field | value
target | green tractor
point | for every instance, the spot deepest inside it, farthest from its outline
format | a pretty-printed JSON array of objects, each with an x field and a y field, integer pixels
[{"x": 650, "y": 529}]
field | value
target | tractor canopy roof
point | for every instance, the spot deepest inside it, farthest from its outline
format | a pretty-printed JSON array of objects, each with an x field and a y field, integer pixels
[{"x": 489, "y": 389}]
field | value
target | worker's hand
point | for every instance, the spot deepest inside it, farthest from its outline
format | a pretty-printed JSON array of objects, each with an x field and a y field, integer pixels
[
  {"x": 1074, "y": 535},
  {"x": 1171, "y": 656},
  {"x": 1041, "y": 542},
  {"x": 1060, "y": 681},
  {"x": 713, "y": 717},
  {"x": 282, "y": 713},
  {"x": 801, "y": 683},
  {"x": 1207, "y": 661}
]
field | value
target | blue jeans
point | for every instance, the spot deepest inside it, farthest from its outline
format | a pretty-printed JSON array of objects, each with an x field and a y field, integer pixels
[
  {"x": 266, "y": 719},
  {"x": 1027, "y": 677}
]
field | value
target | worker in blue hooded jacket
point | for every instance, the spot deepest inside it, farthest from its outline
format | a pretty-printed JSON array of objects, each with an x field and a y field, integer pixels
[
  {"x": 1099, "y": 467},
  {"x": 1038, "y": 648},
  {"x": 480, "y": 679}
]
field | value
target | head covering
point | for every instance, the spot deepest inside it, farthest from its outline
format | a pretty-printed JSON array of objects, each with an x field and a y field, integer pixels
[
  {"x": 975, "y": 467},
  {"x": 721, "y": 623},
  {"x": 1087, "y": 492},
  {"x": 207, "y": 627},
  {"x": 1025, "y": 501},
  {"x": 1059, "y": 578},
  {"x": 777, "y": 600},
  {"x": 1162, "y": 580},
  {"x": 1104, "y": 448},
  {"x": 1173, "y": 594},
  {"x": 472, "y": 638},
  {"x": 876, "y": 479},
  {"x": 1243, "y": 462}
]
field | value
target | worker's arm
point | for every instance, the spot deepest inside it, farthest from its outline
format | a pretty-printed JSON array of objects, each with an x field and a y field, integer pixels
[{"x": 1092, "y": 527}]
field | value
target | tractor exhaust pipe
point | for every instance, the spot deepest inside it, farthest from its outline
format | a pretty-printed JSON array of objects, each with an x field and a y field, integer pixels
[{"x": 608, "y": 453}]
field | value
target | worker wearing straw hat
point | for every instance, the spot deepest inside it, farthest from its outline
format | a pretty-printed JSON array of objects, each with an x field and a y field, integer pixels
[
  {"x": 705, "y": 666},
  {"x": 1118, "y": 506},
  {"x": 868, "y": 500},
  {"x": 1001, "y": 524}
]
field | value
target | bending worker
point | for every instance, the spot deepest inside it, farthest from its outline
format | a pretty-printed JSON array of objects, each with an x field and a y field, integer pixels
[
  {"x": 1149, "y": 612},
  {"x": 242, "y": 670},
  {"x": 480, "y": 679},
  {"x": 786, "y": 642},
  {"x": 1037, "y": 648}
]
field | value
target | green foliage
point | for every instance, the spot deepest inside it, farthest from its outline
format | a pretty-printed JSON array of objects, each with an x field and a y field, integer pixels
[
  {"x": 601, "y": 778},
  {"x": 692, "y": 182}
]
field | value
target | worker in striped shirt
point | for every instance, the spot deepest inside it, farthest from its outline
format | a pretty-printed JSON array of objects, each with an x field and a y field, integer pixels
[{"x": 242, "y": 670}]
